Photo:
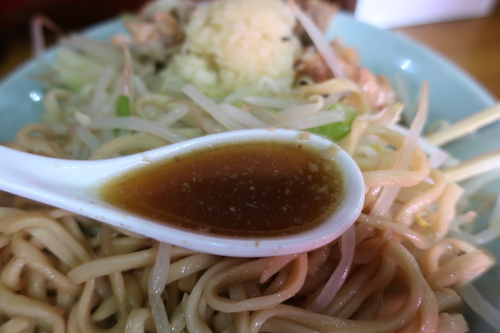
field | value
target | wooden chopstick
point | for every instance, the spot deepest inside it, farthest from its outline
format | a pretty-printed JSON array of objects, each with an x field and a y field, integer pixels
[
  {"x": 465, "y": 126},
  {"x": 473, "y": 166}
]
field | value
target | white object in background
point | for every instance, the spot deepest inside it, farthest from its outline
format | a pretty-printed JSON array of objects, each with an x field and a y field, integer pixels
[{"x": 398, "y": 13}]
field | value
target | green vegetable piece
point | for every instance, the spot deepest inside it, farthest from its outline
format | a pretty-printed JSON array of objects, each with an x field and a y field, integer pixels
[
  {"x": 122, "y": 106},
  {"x": 338, "y": 130},
  {"x": 122, "y": 109}
]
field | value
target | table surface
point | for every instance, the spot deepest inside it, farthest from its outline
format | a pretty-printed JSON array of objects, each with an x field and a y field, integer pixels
[{"x": 473, "y": 44}]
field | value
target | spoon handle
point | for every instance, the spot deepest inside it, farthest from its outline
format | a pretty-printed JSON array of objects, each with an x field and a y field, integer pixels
[
  {"x": 54, "y": 181},
  {"x": 37, "y": 177},
  {"x": 69, "y": 184}
]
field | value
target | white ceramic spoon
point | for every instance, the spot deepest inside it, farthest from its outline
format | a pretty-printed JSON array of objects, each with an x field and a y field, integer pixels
[{"x": 72, "y": 185}]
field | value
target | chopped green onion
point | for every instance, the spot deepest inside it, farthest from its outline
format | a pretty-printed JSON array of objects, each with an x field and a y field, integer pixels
[
  {"x": 122, "y": 106},
  {"x": 122, "y": 109},
  {"x": 337, "y": 130}
]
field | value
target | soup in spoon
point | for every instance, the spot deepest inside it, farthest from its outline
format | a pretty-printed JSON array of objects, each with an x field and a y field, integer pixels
[{"x": 250, "y": 189}]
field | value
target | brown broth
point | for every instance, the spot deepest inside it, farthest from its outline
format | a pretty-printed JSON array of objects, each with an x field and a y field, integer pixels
[{"x": 256, "y": 189}]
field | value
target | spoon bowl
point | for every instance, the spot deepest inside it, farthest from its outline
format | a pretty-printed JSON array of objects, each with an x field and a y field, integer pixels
[{"x": 74, "y": 186}]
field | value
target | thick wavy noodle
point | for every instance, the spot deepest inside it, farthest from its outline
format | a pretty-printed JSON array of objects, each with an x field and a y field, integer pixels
[{"x": 395, "y": 270}]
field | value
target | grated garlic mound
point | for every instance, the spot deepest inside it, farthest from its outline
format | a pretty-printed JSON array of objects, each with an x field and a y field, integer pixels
[{"x": 236, "y": 44}]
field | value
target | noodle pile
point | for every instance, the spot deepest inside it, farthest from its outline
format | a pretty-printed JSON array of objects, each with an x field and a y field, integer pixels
[{"x": 394, "y": 270}]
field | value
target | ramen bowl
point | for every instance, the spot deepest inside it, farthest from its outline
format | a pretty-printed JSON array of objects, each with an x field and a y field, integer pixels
[{"x": 453, "y": 96}]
